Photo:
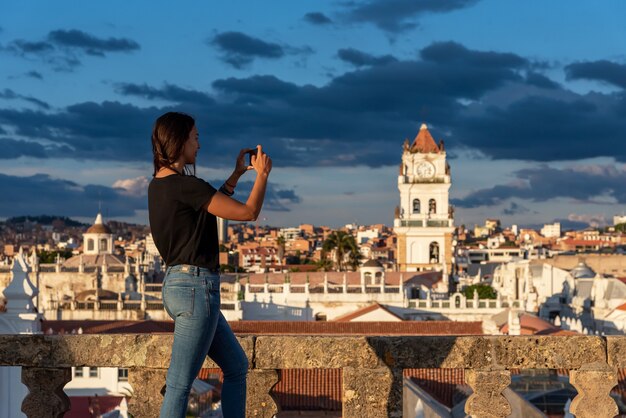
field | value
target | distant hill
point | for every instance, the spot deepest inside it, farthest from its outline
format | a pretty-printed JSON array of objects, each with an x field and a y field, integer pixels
[{"x": 45, "y": 220}]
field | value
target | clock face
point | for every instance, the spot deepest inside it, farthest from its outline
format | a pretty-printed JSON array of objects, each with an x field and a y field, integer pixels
[{"x": 425, "y": 170}]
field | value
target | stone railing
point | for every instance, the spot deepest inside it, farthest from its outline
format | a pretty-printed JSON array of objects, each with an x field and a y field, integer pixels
[{"x": 372, "y": 368}]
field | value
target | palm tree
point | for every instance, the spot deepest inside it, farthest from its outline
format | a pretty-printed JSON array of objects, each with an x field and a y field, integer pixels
[{"x": 342, "y": 243}]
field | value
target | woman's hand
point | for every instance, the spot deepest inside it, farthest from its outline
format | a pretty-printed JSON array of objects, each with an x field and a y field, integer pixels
[
  {"x": 261, "y": 162},
  {"x": 241, "y": 166}
]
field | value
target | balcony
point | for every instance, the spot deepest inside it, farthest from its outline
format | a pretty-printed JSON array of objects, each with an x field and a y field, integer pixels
[
  {"x": 430, "y": 223},
  {"x": 372, "y": 368}
]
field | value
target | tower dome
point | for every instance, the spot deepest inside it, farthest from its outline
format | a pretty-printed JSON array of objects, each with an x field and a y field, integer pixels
[{"x": 98, "y": 239}]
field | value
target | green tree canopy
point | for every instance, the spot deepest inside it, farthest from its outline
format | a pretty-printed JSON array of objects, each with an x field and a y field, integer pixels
[{"x": 484, "y": 291}]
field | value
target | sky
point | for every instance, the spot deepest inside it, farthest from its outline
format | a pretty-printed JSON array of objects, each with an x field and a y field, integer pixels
[{"x": 529, "y": 98}]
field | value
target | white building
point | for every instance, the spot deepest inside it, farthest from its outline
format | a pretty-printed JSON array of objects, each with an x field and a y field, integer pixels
[
  {"x": 363, "y": 236},
  {"x": 222, "y": 230},
  {"x": 290, "y": 233},
  {"x": 551, "y": 230},
  {"x": 424, "y": 220},
  {"x": 619, "y": 219}
]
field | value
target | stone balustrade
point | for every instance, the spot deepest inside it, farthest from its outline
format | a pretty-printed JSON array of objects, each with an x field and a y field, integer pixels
[{"x": 372, "y": 368}]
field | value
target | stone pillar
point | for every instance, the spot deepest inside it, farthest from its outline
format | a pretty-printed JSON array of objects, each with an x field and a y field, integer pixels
[
  {"x": 259, "y": 402},
  {"x": 345, "y": 283},
  {"x": 487, "y": 400},
  {"x": 148, "y": 385},
  {"x": 371, "y": 393},
  {"x": 325, "y": 283},
  {"x": 46, "y": 398},
  {"x": 594, "y": 383}
]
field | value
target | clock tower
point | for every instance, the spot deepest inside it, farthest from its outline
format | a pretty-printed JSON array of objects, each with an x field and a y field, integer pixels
[{"x": 424, "y": 221}]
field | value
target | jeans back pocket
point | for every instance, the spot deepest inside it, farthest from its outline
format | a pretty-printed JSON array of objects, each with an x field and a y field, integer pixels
[{"x": 178, "y": 300}]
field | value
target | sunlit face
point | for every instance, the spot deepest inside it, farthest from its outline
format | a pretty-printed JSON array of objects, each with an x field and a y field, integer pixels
[{"x": 192, "y": 145}]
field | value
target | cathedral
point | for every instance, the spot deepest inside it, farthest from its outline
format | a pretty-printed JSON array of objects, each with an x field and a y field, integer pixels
[{"x": 424, "y": 220}]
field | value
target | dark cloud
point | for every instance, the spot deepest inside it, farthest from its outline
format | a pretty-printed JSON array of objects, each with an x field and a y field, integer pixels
[
  {"x": 452, "y": 53},
  {"x": 34, "y": 74},
  {"x": 91, "y": 44},
  {"x": 603, "y": 70},
  {"x": 42, "y": 194},
  {"x": 515, "y": 209},
  {"x": 11, "y": 149},
  {"x": 397, "y": 16},
  {"x": 584, "y": 184},
  {"x": 277, "y": 199},
  {"x": 9, "y": 94},
  {"x": 62, "y": 49},
  {"x": 544, "y": 128},
  {"x": 21, "y": 47},
  {"x": 240, "y": 49},
  {"x": 106, "y": 131},
  {"x": 317, "y": 18},
  {"x": 361, "y": 59},
  {"x": 358, "y": 118},
  {"x": 169, "y": 92},
  {"x": 540, "y": 80}
]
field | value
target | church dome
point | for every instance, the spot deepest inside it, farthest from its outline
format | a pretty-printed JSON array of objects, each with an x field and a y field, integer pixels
[
  {"x": 582, "y": 271},
  {"x": 99, "y": 227}
]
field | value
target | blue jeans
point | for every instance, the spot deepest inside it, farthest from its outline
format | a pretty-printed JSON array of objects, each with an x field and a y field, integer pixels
[{"x": 191, "y": 296}]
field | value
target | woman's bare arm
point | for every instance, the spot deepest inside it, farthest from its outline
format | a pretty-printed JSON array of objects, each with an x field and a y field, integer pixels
[{"x": 228, "y": 208}]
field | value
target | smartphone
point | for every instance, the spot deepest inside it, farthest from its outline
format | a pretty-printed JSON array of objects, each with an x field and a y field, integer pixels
[{"x": 250, "y": 154}]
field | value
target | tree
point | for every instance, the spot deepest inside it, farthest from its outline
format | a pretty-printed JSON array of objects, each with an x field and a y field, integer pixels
[
  {"x": 324, "y": 264},
  {"x": 484, "y": 291},
  {"x": 341, "y": 243}
]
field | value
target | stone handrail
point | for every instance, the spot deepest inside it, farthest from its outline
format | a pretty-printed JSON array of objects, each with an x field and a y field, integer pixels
[{"x": 372, "y": 368}]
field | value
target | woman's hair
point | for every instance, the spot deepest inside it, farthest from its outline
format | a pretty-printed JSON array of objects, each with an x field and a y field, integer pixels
[{"x": 171, "y": 131}]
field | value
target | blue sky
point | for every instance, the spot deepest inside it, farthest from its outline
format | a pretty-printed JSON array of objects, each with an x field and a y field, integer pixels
[{"x": 528, "y": 96}]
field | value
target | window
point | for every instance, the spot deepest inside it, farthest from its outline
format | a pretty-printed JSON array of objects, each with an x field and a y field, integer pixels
[
  {"x": 78, "y": 372},
  {"x": 432, "y": 206},
  {"x": 89, "y": 245},
  {"x": 122, "y": 375},
  {"x": 103, "y": 244},
  {"x": 433, "y": 253},
  {"x": 93, "y": 372},
  {"x": 416, "y": 206}
]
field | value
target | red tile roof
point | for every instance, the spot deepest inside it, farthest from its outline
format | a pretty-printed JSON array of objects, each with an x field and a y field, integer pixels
[
  {"x": 278, "y": 327},
  {"x": 358, "y": 328},
  {"x": 441, "y": 384},
  {"x": 424, "y": 141},
  {"x": 99, "y": 404},
  {"x": 349, "y": 317}
]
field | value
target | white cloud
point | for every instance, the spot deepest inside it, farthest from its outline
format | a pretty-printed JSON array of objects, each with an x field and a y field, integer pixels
[{"x": 137, "y": 186}]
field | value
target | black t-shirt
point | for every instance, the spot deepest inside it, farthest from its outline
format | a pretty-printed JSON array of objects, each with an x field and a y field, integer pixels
[{"x": 183, "y": 232}]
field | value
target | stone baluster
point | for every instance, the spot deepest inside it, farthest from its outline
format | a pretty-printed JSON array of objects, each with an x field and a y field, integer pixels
[
  {"x": 487, "y": 401},
  {"x": 259, "y": 402},
  {"x": 371, "y": 393},
  {"x": 149, "y": 387},
  {"x": 45, "y": 398},
  {"x": 594, "y": 383}
]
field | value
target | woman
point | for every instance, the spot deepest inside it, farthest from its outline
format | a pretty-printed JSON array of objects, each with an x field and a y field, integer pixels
[{"x": 182, "y": 211}]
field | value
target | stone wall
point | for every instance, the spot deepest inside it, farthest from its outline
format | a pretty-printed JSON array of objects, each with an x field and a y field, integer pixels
[{"x": 372, "y": 368}]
